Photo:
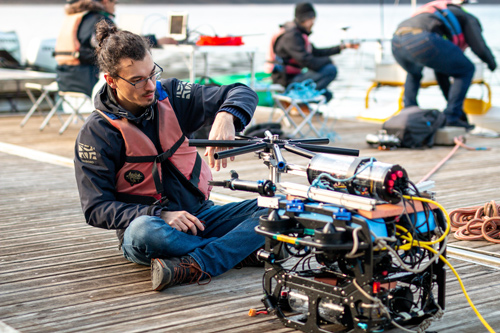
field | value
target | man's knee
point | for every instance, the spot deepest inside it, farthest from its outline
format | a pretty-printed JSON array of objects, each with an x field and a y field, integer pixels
[
  {"x": 330, "y": 70},
  {"x": 468, "y": 70},
  {"x": 415, "y": 76},
  {"x": 140, "y": 230}
]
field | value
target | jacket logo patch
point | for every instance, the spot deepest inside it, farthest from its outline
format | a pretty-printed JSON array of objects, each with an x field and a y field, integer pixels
[
  {"x": 134, "y": 177},
  {"x": 183, "y": 90},
  {"x": 87, "y": 153}
]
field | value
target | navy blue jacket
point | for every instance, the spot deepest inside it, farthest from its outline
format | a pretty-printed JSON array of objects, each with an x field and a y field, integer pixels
[{"x": 100, "y": 149}]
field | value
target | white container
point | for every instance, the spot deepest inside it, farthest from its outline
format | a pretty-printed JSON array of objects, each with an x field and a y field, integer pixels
[{"x": 392, "y": 73}]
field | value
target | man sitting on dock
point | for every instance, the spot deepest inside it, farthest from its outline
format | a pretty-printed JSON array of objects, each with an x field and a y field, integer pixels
[
  {"x": 136, "y": 172},
  {"x": 436, "y": 36},
  {"x": 290, "y": 52}
]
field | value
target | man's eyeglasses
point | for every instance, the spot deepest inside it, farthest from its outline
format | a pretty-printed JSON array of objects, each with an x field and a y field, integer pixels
[{"x": 142, "y": 83}]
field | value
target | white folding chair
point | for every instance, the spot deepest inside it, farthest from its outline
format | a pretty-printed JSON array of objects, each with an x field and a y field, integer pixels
[
  {"x": 45, "y": 91},
  {"x": 75, "y": 101},
  {"x": 306, "y": 109}
]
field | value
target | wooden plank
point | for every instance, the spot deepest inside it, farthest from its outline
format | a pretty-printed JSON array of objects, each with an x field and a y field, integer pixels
[
  {"x": 80, "y": 279},
  {"x": 45, "y": 262},
  {"x": 142, "y": 302},
  {"x": 59, "y": 269},
  {"x": 46, "y": 249},
  {"x": 211, "y": 315},
  {"x": 388, "y": 210},
  {"x": 54, "y": 254}
]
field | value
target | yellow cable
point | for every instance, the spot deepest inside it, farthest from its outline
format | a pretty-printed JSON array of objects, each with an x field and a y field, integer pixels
[
  {"x": 488, "y": 327},
  {"x": 448, "y": 222},
  {"x": 408, "y": 246},
  {"x": 286, "y": 239},
  {"x": 409, "y": 238},
  {"x": 426, "y": 246}
]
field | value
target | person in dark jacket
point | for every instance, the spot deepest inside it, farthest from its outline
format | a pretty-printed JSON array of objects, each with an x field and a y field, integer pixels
[
  {"x": 435, "y": 37},
  {"x": 137, "y": 174},
  {"x": 290, "y": 52},
  {"x": 77, "y": 70}
]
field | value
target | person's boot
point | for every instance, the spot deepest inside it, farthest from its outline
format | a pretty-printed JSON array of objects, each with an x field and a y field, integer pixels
[
  {"x": 166, "y": 273},
  {"x": 328, "y": 96},
  {"x": 460, "y": 123}
]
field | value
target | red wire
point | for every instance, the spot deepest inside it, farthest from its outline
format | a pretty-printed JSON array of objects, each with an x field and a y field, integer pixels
[{"x": 459, "y": 142}]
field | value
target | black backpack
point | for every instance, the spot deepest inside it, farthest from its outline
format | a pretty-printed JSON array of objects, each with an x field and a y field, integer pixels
[{"x": 415, "y": 127}]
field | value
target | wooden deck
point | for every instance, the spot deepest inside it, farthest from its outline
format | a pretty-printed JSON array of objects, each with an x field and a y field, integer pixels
[{"x": 59, "y": 275}]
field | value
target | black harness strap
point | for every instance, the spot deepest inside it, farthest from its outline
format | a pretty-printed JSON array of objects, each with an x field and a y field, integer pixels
[
  {"x": 132, "y": 198},
  {"x": 75, "y": 54},
  {"x": 162, "y": 158},
  {"x": 195, "y": 174},
  {"x": 140, "y": 159}
]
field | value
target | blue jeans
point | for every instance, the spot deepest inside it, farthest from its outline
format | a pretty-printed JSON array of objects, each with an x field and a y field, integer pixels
[
  {"x": 323, "y": 77},
  {"x": 414, "y": 51},
  {"x": 228, "y": 238}
]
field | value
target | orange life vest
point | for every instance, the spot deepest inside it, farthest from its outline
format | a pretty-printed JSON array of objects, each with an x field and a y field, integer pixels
[
  {"x": 67, "y": 44},
  {"x": 291, "y": 66},
  {"x": 140, "y": 175}
]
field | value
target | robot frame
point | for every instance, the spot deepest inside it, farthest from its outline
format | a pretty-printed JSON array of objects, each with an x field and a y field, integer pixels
[{"x": 375, "y": 237}]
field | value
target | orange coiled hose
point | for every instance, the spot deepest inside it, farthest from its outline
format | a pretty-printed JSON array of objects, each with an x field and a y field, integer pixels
[{"x": 477, "y": 223}]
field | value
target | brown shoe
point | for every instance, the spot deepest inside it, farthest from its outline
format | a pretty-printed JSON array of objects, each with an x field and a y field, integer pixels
[{"x": 166, "y": 273}]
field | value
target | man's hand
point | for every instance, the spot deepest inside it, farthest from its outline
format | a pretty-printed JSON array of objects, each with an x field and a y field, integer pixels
[
  {"x": 351, "y": 46},
  {"x": 182, "y": 221},
  {"x": 222, "y": 129}
]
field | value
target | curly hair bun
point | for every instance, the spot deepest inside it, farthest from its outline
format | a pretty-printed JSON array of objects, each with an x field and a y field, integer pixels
[{"x": 104, "y": 30}]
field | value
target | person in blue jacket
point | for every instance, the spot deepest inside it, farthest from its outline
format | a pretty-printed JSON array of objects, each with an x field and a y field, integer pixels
[
  {"x": 137, "y": 174},
  {"x": 436, "y": 36}
]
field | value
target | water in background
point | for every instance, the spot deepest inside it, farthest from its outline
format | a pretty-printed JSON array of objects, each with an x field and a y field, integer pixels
[{"x": 257, "y": 23}]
